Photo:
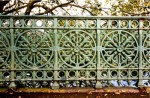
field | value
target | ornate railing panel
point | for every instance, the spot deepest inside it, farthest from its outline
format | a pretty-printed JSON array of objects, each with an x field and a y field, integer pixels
[{"x": 42, "y": 51}]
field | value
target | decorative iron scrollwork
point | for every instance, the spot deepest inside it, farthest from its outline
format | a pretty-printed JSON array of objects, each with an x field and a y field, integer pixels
[
  {"x": 77, "y": 48},
  {"x": 34, "y": 48},
  {"x": 4, "y": 49},
  {"x": 146, "y": 45},
  {"x": 119, "y": 48}
]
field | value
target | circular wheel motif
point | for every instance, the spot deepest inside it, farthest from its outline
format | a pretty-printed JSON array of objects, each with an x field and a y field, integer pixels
[
  {"x": 147, "y": 48},
  {"x": 119, "y": 48},
  {"x": 4, "y": 52},
  {"x": 34, "y": 48},
  {"x": 77, "y": 48}
]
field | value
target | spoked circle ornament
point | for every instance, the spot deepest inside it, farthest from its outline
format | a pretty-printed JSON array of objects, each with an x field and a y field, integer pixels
[
  {"x": 119, "y": 48},
  {"x": 77, "y": 48},
  {"x": 4, "y": 51},
  {"x": 34, "y": 48},
  {"x": 146, "y": 44}
]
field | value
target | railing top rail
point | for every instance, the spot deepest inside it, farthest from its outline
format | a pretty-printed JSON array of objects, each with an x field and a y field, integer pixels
[{"x": 80, "y": 17}]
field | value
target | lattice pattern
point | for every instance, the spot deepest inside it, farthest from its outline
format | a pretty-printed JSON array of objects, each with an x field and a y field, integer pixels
[{"x": 74, "y": 51}]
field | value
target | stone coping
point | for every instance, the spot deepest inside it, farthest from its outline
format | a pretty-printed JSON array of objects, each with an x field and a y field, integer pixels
[{"x": 116, "y": 90}]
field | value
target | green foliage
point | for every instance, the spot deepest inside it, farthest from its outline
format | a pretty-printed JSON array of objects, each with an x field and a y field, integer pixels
[
  {"x": 131, "y": 7},
  {"x": 77, "y": 7}
]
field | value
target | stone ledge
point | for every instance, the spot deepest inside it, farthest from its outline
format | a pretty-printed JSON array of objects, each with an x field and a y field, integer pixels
[{"x": 77, "y": 90}]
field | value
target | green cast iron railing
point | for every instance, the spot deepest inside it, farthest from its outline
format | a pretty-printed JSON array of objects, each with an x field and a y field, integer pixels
[{"x": 53, "y": 51}]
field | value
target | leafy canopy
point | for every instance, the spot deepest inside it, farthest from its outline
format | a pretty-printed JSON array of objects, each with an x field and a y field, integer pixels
[{"x": 76, "y": 7}]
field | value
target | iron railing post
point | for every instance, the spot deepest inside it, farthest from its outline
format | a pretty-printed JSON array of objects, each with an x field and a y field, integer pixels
[
  {"x": 141, "y": 49},
  {"x": 98, "y": 49},
  {"x": 55, "y": 49},
  {"x": 12, "y": 48}
]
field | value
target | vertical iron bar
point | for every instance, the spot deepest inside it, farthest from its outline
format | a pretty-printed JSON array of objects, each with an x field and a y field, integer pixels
[
  {"x": 98, "y": 49},
  {"x": 1, "y": 71},
  {"x": 55, "y": 49},
  {"x": 140, "y": 84},
  {"x": 12, "y": 76}
]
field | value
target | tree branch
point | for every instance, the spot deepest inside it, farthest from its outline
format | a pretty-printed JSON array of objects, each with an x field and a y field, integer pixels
[
  {"x": 2, "y": 4},
  {"x": 30, "y": 6},
  {"x": 50, "y": 10},
  {"x": 65, "y": 11},
  {"x": 82, "y": 8},
  {"x": 12, "y": 10}
]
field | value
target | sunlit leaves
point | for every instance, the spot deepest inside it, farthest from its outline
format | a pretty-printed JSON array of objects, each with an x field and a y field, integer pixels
[
  {"x": 131, "y": 7},
  {"x": 81, "y": 7}
]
